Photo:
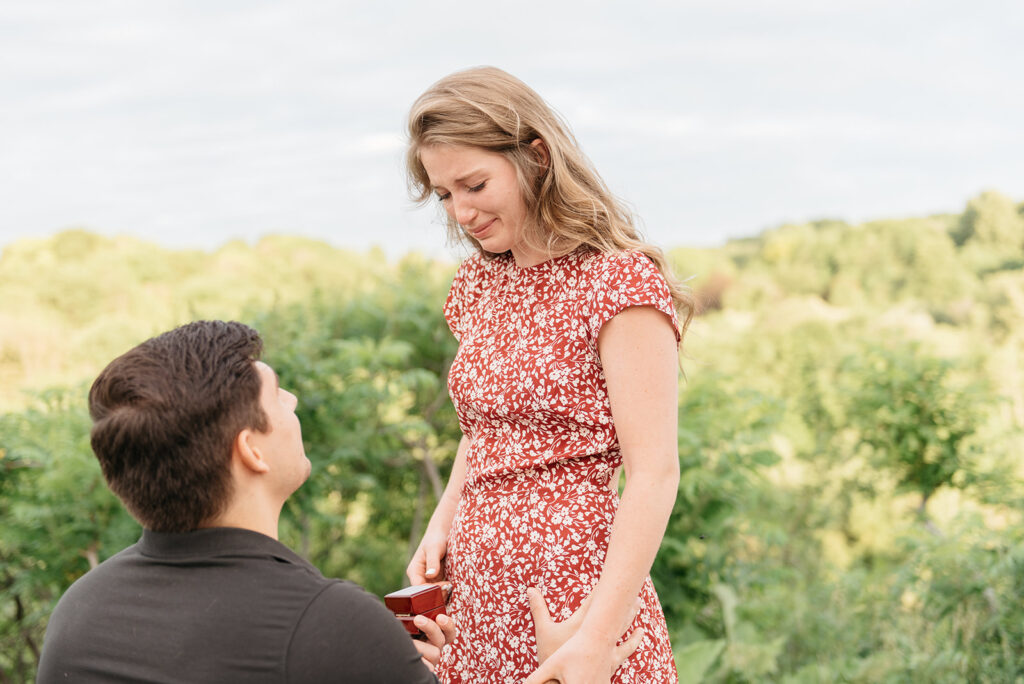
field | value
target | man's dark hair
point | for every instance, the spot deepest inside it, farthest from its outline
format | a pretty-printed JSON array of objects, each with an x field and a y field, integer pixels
[{"x": 165, "y": 415}]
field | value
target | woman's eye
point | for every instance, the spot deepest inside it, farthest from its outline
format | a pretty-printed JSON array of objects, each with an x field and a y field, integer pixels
[
  {"x": 442, "y": 196},
  {"x": 478, "y": 188}
]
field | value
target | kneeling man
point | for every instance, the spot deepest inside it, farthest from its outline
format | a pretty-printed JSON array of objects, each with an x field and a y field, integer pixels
[{"x": 200, "y": 442}]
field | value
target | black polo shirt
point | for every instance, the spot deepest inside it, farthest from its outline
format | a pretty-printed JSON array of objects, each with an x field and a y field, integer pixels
[{"x": 222, "y": 605}]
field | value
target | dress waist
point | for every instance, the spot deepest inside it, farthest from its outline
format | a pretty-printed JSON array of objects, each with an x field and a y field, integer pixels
[{"x": 580, "y": 474}]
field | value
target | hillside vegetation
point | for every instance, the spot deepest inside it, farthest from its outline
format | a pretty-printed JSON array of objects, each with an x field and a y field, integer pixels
[{"x": 850, "y": 501}]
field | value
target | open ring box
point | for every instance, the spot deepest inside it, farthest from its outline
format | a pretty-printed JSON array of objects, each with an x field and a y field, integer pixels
[{"x": 422, "y": 599}]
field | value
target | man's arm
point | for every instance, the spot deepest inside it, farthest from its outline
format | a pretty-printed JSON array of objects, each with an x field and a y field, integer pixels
[{"x": 347, "y": 635}]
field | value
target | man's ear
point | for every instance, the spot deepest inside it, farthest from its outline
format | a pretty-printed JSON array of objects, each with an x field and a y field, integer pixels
[
  {"x": 540, "y": 151},
  {"x": 248, "y": 454}
]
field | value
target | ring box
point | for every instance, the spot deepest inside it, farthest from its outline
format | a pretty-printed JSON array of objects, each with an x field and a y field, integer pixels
[{"x": 422, "y": 599}]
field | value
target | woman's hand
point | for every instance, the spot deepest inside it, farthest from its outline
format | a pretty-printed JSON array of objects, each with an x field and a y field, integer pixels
[
  {"x": 583, "y": 660},
  {"x": 427, "y": 564},
  {"x": 552, "y": 637}
]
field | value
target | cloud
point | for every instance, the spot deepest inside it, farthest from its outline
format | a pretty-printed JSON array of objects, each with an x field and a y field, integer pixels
[{"x": 197, "y": 120}]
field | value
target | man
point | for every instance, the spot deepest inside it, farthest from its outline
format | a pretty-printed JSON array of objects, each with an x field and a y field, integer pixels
[{"x": 197, "y": 438}]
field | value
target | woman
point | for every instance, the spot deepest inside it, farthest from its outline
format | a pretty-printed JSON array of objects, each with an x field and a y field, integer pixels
[{"x": 566, "y": 371}]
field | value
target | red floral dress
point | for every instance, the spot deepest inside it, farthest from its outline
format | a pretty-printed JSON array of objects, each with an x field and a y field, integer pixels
[{"x": 537, "y": 508}]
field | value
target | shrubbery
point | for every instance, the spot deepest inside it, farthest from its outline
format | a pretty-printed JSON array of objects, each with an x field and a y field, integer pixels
[{"x": 848, "y": 508}]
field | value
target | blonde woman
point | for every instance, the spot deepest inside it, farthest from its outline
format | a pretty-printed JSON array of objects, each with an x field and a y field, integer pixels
[{"x": 568, "y": 328}]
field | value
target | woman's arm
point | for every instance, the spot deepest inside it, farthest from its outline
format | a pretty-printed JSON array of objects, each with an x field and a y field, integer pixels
[
  {"x": 639, "y": 355},
  {"x": 427, "y": 561}
]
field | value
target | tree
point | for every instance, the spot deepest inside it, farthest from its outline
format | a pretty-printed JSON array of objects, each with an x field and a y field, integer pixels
[
  {"x": 916, "y": 413},
  {"x": 369, "y": 367},
  {"x": 59, "y": 520},
  {"x": 991, "y": 233},
  {"x": 992, "y": 219}
]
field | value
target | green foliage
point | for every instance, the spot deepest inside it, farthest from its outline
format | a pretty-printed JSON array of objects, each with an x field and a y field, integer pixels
[
  {"x": 695, "y": 659},
  {"x": 722, "y": 446},
  {"x": 369, "y": 371},
  {"x": 915, "y": 414},
  {"x": 841, "y": 378},
  {"x": 59, "y": 519},
  {"x": 878, "y": 263},
  {"x": 967, "y": 586},
  {"x": 991, "y": 219},
  {"x": 991, "y": 233},
  {"x": 72, "y": 302}
]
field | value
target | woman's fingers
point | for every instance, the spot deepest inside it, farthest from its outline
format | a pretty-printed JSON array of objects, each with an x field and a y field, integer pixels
[
  {"x": 627, "y": 647},
  {"x": 538, "y": 608},
  {"x": 414, "y": 571},
  {"x": 432, "y": 561},
  {"x": 426, "y": 564},
  {"x": 541, "y": 675}
]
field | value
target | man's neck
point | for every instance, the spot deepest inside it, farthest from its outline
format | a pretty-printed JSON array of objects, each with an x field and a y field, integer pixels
[{"x": 249, "y": 515}]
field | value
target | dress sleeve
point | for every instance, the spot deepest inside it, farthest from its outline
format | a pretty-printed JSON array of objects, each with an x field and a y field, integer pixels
[
  {"x": 346, "y": 634},
  {"x": 629, "y": 279},
  {"x": 462, "y": 294}
]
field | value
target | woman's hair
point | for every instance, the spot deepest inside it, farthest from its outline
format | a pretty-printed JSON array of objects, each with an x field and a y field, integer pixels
[
  {"x": 165, "y": 415},
  {"x": 568, "y": 204}
]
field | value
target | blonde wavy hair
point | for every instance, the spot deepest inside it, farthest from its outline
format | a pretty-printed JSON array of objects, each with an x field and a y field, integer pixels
[{"x": 568, "y": 204}]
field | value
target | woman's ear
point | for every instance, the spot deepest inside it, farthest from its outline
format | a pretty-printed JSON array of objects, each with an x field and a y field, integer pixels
[
  {"x": 540, "y": 151},
  {"x": 248, "y": 454}
]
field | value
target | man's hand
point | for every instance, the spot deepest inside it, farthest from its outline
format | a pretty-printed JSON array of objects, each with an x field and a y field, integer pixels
[
  {"x": 552, "y": 635},
  {"x": 438, "y": 633}
]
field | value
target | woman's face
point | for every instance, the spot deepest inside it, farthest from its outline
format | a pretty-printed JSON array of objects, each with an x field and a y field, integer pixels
[{"x": 480, "y": 191}]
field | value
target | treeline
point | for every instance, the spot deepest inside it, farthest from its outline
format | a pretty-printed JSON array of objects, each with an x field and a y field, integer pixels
[{"x": 849, "y": 507}]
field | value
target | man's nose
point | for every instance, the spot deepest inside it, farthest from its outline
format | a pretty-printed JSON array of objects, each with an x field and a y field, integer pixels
[{"x": 292, "y": 399}]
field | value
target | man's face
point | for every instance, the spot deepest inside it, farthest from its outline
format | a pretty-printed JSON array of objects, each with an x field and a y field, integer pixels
[{"x": 281, "y": 444}]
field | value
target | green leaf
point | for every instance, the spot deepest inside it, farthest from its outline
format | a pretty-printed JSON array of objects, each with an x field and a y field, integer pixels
[{"x": 695, "y": 659}]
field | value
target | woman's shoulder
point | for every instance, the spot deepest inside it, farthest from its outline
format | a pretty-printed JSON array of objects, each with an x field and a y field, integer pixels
[
  {"x": 604, "y": 264},
  {"x": 473, "y": 271},
  {"x": 471, "y": 263},
  {"x": 628, "y": 278}
]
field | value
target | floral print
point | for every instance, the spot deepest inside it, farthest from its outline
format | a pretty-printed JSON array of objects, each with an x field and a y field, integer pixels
[{"x": 538, "y": 502}]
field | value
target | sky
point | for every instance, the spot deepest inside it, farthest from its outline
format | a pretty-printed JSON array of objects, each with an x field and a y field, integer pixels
[{"x": 192, "y": 123}]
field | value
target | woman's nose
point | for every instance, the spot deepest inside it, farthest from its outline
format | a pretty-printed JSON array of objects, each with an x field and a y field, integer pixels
[{"x": 463, "y": 210}]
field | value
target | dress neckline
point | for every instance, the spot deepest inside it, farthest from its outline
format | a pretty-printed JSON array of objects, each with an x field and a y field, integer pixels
[{"x": 541, "y": 267}]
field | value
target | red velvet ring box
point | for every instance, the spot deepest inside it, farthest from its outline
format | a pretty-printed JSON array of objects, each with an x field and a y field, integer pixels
[{"x": 423, "y": 599}]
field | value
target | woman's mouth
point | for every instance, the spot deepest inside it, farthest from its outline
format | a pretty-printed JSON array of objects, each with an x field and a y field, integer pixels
[{"x": 481, "y": 229}]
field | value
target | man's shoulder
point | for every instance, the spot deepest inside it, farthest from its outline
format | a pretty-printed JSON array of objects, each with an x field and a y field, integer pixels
[
  {"x": 105, "y": 574},
  {"x": 209, "y": 594},
  {"x": 341, "y": 596}
]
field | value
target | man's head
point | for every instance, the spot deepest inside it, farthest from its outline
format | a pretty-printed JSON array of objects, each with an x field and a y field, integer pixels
[{"x": 166, "y": 416}]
